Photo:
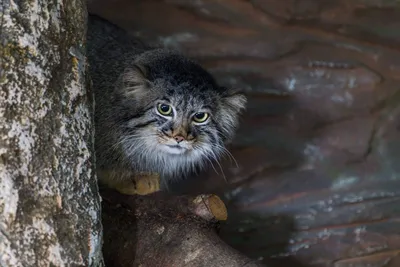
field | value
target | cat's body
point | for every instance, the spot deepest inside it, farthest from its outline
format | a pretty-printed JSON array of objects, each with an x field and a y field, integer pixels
[{"x": 155, "y": 110}]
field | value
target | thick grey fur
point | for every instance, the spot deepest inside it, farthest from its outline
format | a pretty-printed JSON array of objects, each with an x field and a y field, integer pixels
[{"x": 129, "y": 80}]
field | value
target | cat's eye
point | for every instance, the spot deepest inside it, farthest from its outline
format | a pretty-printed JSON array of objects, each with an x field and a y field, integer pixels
[
  {"x": 201, "y": 117},
  {"x": 164, "y": 109}
]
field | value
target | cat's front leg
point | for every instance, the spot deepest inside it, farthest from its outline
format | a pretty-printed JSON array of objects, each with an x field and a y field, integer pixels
[{"x": 130, "y": 183}]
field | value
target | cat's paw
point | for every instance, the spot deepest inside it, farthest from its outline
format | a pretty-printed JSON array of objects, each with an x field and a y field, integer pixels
[
  {"x": 129, "y": 183},
  {"x": 147, "y": 183},
  {"x": 126, "y": 189}
]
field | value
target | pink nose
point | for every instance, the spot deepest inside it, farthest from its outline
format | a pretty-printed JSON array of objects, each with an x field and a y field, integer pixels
[{"x": 179, "y": 138}]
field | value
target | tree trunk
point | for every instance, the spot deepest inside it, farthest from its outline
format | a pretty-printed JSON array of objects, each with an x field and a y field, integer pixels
[{"x": 49, "y": 201}]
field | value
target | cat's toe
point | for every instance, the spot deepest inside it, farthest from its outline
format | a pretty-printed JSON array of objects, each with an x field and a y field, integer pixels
[
  {"x": 127, "y": 189},
  {"x": 147, "y": 184}
]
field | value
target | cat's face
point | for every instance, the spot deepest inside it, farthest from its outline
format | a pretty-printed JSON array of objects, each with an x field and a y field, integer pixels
[
  {"x": 177, "y": 114},
  {"x": 182, "y": 125}
]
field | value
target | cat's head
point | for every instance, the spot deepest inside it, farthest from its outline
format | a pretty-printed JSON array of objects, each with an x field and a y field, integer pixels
[{"x": 173, "y": 110}]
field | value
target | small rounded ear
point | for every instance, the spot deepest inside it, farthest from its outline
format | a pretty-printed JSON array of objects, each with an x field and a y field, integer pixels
[
  {"x": 134, "y": 80},
  {"x": 235, "y": 100}
]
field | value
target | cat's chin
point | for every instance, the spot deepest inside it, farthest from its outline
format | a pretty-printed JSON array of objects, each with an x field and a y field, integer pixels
[{"x": 173, "y": 150}]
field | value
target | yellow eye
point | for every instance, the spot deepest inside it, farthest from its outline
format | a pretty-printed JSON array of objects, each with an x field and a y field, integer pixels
[
  {"x": 201, "y": 117},
  {"x": 164, "y": 109}
]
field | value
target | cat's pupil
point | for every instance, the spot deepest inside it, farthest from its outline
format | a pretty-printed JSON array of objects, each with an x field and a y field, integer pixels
[
  {"x": 164, "y": 108},
  {"x": 200, "y": 115}
]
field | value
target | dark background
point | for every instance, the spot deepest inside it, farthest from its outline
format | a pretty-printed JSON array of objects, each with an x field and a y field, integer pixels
[{"x": 318, "y": 182}]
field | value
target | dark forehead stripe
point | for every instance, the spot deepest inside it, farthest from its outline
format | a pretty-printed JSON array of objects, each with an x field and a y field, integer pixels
[
  {"x": 189, "y": 103},
  {"x": 166, "y": 99},
  {"x": 144, "y": 124}
]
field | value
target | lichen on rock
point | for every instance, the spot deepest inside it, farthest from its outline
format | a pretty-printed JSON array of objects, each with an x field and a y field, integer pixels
[{"x": 49, "y": 201}]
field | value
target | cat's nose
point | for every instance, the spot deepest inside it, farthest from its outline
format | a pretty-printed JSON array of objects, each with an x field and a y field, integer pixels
[{"x": 179, "y": 138}]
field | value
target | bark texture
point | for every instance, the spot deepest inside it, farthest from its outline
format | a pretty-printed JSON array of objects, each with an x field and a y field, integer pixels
[{"x": 49, "y": 201}]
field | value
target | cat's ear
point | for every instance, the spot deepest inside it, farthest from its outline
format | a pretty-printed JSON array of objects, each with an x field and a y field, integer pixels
[
  {"x": 233, "y": 103},
  {"x": 234, "y": 100},
  {"x": 134, "y": 81}
]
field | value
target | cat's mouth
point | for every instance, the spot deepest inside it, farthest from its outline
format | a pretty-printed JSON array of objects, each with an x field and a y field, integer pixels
[
  {"x": 175, "y": 146},
  {"x": 174, "y": 149}
]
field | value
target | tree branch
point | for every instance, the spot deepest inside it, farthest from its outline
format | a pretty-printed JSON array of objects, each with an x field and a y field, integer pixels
[{"x": 164, "y": 230}]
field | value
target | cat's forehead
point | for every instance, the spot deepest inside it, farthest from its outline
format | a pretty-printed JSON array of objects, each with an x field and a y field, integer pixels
[
  {"x": 188, "y": 95},
  {"x": 191, "y": 101},
  {"x": 177, "y": 73},
  {"x": 177, "y": 69}
]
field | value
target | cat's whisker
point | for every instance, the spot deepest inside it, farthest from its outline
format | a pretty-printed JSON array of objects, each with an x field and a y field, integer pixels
[
  {"x": 212, "y": 165},
  {"x": 206, "y": 154},
  {"x": 228, "y": 153},
  {"x": 129, "y": 139},
  {"x": 215, "y": 158},
  {"x": 222, "y": 171}
]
